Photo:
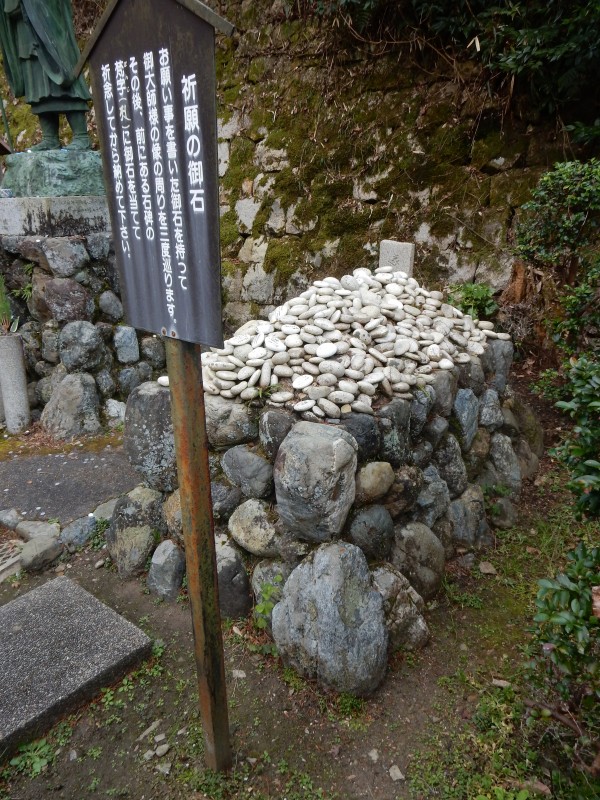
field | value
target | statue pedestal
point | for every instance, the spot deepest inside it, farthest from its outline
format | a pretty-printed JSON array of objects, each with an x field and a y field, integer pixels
[
  {"x": 54, "y": 173},
  {"x": 53, "y": 216}
]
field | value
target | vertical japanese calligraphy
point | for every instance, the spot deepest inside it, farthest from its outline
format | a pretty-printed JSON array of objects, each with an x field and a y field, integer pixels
[{"x": 157, "y": 121}]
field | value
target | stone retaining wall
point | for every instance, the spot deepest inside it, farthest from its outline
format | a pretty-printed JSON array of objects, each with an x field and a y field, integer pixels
[
  {"x": 347, "y": 524},
  {"x": 67, "y": 289}
]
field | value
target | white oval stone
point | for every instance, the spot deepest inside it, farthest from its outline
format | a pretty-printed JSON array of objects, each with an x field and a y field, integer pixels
[
  {"x": 274, "y": 344},
  {"x": 330, "y": 409},
  {"x": 237, "y": 341},
  {"x": 281, "y": 397},
  {"x": 258, "y": 352},
  {"x": 163, "y": 380},
  {"x": 303, "y": 405},
  {"x": 302, "y": 381}
]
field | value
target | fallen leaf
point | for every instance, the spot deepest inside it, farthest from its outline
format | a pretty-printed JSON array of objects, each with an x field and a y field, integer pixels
[
  {"x": 596, "y": 601},
  {"x": 487, "y": 569},
  {"x": 537, "y": 786}
]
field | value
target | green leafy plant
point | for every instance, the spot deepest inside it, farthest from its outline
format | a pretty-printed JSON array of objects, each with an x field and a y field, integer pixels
[
  {"x": 476, "y": 299},
  {"x": 8, "y": 324},
  {"x": 565, "y": 645},
  {"x": 580, "y": 451},
  {"x": 33, "y": 758},
  {"x": 561, "y": 219},
  {"x": 269, "y": 597},
  {"x": 98, "y": 538}
]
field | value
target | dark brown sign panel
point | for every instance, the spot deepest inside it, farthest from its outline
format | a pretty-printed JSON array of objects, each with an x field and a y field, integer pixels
[{"x": 153, "y": 77}]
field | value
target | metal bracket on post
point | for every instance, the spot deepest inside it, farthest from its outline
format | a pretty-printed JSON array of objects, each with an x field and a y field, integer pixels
[{"x": 191, "y": 443}]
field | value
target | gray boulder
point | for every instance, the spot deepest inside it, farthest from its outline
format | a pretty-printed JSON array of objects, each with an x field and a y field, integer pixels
[
  {"x": 330, "y": 623},
  {"x": 78, "y": 533},
  {"x": 148, "y": 438},
  {"x": 372, "y": 529},
  {"x": 73, "y": 409},
  {"x": 528, "y": 461},
  {"x": 403, "y": 608},
  {"x": 435, "y": 430},
  {"x": 467, "y": 515},
  {"x": 365, "y": 430},
  {"x": 445, "y": 384},
  {"x": 420, "y": 557},
  {"x": 167, "y": 568},
  {"x": 476, "y": 457},
  {"x": 248, "y": 470},
  {"x": 450, "y": 465},
  {"x": 153, "y": 351},
  {"x": 434, "y": 498},
  {"x": 421, "y": 454},
  {"x": 421, "y": 406},
  {"x": 129, "y": 378},
  {"x": 10, "y": 518},
  {"x": 503, "y": 514},
  {"x": 80, "y": 346},
  {"x": 228, "y": 422},
  {"x": 273, "y": 426},
  {"x": 111, "y": 306},
  {"x": 105, "y": 383},
  {"x": 505, "y": 462},
  {"x": 126, "y": 344},
  {"x": 67, "y": 300},
  {"x": 136, "y": 524},
  {"x": 465, "y": 416},
  {"x": 315, "y": 480},
  {"x": 408, "y": 482},
  {"x": 39, "y": 553},
  {"x": 63, "y": 256},
  {"x": 490, "y": 411},
  {"x": 394, "y": 420},
  {"x": 30, "y": 529},
  {"x": 470, "y": 375},
  {"x": 251, "y": 526},
  {"x": 225, "y": 499},
  {"x": 496, "y": 363},
  {"x": 373, "y": 481},
  {"x": 234, "y": 587}
]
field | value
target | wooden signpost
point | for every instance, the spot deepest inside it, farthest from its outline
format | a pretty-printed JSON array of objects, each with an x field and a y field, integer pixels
[{"x": 153, "y": 78}]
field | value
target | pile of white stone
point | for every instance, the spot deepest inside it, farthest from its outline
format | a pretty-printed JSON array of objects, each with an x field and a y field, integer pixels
[{"x": 342, "y": 343}]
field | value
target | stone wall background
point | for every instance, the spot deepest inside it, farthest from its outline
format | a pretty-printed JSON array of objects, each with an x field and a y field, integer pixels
[
  {"x": 65, "y": 290},
  {"x": 328, "y": 146}
]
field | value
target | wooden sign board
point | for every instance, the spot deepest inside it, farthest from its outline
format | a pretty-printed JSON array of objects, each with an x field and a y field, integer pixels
[{"x": 153, "y": 78}]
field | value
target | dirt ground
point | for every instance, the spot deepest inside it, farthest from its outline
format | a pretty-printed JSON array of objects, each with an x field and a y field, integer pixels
[{"x": 290, "y": 740}]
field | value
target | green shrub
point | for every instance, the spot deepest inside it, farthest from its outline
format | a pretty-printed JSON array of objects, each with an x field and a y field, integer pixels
[
  {"x": 562, "y": 218},
  {"x": 581, "y": 450},
  {"x": 476, "y": 299},
  {"x": 578, "y": 325},
  {"x": 566, "y": 641}
]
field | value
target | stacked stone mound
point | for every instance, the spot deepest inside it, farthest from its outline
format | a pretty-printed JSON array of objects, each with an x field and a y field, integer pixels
[
  {"x": 342, "y": 342},
  {"x": 82, "y": 361},
  {"x": 353, "y": 514}
]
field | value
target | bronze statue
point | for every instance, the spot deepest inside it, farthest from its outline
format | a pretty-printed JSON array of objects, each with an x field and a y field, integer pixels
[{"x": 40, "y": 52}]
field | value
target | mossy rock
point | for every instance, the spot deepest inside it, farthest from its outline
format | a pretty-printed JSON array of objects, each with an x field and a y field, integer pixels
[{"x": 513, "y": 188}]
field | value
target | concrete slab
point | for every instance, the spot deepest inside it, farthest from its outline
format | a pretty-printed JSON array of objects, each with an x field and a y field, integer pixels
[
  {"x": 53, "y": 216},
  {"x": 58, "y": 647},
  {"x": 64, "y": 487}
]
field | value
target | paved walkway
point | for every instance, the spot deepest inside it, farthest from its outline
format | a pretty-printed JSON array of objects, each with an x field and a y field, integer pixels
[{"x": 64, "y": 487}]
